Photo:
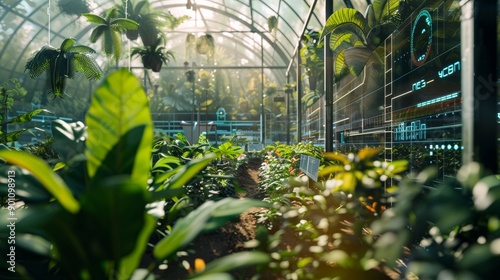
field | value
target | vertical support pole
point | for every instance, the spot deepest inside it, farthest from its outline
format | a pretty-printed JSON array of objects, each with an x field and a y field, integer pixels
[
  {"x": 287, "y": 96},
  {"x": 299, "y": 95},
  {"x": 328, "y": 85},
  {"x": 479, "y": 87},
  {"x": 262, "y": 115}
]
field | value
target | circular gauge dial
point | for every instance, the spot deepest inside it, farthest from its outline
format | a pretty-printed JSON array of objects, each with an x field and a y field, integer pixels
[{"x": 421, "y": 38}]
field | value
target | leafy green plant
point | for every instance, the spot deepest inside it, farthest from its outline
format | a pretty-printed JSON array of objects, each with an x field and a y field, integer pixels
[
  {"x": 272, "y": 23},
  {"x": 205, "y": 44},
  {"x": 312, "y": 59},
  {"x": 63, "y": 63},
  {"x": 109, "y": 28},
  {"x": 9, "y": 91},
  {"x": 155, "y": 55},
  {"x": 325, "y": 226},
  {"x": 354, "y": 36},
  {"x": 94, "y": 219},
  {"x": 449, "y": 228}
]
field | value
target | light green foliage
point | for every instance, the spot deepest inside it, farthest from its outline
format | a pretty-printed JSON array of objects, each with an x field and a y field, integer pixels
[
  {"x": 94, "y": 217},
  {"x": 330, "y": 220},
  {"x": 354, "y": 37}
]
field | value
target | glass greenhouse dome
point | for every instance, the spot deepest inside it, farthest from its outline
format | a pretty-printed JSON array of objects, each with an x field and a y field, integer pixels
[
  {"x": 254, "y": 69},
  {"x": 249, "y": 139}
]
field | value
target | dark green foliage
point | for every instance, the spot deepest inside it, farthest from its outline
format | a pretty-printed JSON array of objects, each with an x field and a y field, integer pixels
[
  {"x": 109, "y": 28},
  {"x": 73, "y": 7},
  {"x": 62, "y": 63}
]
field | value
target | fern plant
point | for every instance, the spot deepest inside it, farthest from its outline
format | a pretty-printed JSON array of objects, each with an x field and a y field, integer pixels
[{"x": 63, "y": 63}]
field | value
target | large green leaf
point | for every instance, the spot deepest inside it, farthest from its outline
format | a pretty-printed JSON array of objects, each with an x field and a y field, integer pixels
[
  {"x": 346, "y": 35},
  {"x": 186, "y": 172},
  {"x": 379, "y": 33},
  {"x": 113, "y": 212},
  {"x": 94, "y": 18},
  {"x": 43, "y": 173},
  {"x": 120, "y": 130},
  {"x": 344, "y": 16},
  {"x": 356, "y": 58},
  {"x": 339, "y": 65},
  {"x": 384, "y": 8},
  {"x": 27, "y": 187}
]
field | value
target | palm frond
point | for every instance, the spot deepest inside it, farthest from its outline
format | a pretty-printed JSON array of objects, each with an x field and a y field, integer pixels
[
  {"x": 123, "y": 23},
  {"x": 40, "y": 60},
  {"x": 65, "y": 65},
  {"x": 81, "y": 49},
  {"x": 86, "y": 65},
  {"x": 97, "y": 33},
  {"x": 142, "y": 6},
  {"x": 116, "y": 45},
  {"x": 95, "y": 18},
  {"x": 67, "y": 44}
]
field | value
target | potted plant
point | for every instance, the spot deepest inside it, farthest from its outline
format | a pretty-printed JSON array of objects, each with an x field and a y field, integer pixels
[
  {"x": 154, "y": 56},
  {"x": 62, "y": 63}
]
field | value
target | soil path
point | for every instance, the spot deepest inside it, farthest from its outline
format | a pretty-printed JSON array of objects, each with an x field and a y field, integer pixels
[{"x": 232, "y": 237}]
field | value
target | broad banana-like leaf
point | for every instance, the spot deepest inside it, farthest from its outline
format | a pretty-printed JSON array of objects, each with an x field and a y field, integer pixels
[
  {"x": 120, "y": 129},
  {"x": 339, "y": 65},
  {"x": 370, "y": 16},
  {"x": 43, "y": 173},
  {"x": 344, "y": 16},
  {"x": 379, "y": 33},
  {"x": 131, "y": 262},
  {"x": 384, "y": 8},
  {"x": 356, "y": 58},
  {"x": 346, "y": 35}
]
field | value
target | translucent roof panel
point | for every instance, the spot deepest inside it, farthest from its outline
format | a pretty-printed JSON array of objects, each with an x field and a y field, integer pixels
[{"x": 239, "y": 28}]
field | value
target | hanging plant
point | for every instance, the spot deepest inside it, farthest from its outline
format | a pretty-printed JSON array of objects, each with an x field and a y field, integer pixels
[
  {"x": 62, "y": 63},
  {"x": 154, "y": 56},
  {"x": 272, "y": 23},
  {"x": 205, "y": 44},
  {"x": 73, "y": 7},
  {"x": 109, "y": 28},
  {"x": 190, "y": 46}
]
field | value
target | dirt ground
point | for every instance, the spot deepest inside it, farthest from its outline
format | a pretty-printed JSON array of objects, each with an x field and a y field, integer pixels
[{"x": 229, "y": 239}]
